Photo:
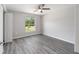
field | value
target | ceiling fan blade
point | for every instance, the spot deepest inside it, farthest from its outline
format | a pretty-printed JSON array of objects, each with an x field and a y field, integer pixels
[
  {"x": 46, "y": 8},
  {"x": 41, "y": 6}
]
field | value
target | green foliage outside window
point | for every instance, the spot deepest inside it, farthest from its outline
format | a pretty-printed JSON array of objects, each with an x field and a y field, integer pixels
[{"x": 29, "y": 24}]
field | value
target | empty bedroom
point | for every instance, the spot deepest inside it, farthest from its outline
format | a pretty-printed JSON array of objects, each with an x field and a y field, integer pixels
[{"x": 40, "y": 28}]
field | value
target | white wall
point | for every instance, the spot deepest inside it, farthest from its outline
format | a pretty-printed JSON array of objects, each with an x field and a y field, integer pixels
[
  {"x": 8, "y": 27},
  {"x": 60, "y": 23},
  {"x": 19, "y": 24}
]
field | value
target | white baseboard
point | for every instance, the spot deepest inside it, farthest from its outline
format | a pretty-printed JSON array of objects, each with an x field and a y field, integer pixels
[
  {"x": 60, "y": 39},
  {"x": 25, "y": 35}
]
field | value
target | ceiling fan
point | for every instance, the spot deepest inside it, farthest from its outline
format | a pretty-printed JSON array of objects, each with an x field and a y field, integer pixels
[{"x": 41, "y": 8}]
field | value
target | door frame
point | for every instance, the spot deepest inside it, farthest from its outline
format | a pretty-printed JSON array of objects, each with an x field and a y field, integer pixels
[{"x": 1, "y": 29}]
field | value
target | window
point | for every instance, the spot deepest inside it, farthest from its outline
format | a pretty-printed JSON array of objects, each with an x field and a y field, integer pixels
[{"x": 30, "y": 24}]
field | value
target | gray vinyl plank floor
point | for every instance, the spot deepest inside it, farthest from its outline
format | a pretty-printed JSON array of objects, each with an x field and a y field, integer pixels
[{"x": 38, "y": 44}]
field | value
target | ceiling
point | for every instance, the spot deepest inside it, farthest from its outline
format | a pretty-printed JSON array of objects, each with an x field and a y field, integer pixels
[{"x": 29, "y": 8}]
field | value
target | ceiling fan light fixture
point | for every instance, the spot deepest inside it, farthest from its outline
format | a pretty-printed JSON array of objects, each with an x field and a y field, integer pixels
[{"x": 41, "y": 11}]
